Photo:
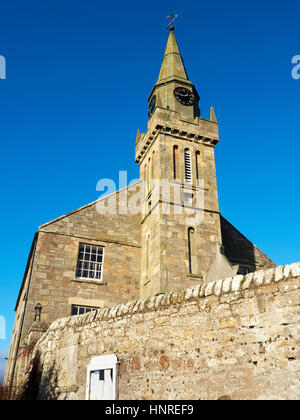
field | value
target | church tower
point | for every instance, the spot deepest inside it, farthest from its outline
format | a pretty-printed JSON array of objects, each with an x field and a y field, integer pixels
[{"x": 181, "y": 233}]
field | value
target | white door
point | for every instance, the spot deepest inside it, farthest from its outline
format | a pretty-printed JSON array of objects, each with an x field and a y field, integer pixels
[
  {"x": 102, "y": 378},
  {"x": 101, "y": 386}
]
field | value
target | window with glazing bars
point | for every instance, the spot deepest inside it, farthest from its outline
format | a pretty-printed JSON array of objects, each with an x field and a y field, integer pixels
[
  {"x": 90, "y": 262},
  {"x": 80, "y": 310},
  {"x": 187, "y": 166}
]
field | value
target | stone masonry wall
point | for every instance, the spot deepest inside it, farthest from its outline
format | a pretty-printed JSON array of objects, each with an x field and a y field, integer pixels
[
  {"x": 52, "y": 276},
  {"x": 236, "y": 338},
  {"x": 169, "y": 244}
]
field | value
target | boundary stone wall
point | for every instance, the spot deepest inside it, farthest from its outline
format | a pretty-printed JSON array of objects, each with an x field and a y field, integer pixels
[{"x": 236, "y": 338}]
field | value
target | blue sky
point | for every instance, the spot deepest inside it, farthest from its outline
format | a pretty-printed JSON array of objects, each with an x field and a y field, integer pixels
[{"x": 78, "y": 78}]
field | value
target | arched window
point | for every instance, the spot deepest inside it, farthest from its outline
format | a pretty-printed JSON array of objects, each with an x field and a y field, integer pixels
[
  {"x": 149, "y": 175},
  {"x": 187, "y": 166},
  {"x": 145, "y": 179},
  {"x": 152, "y": 167},
  {"x": 192, "y": 250},
  {"x": 147, "y": 255},
  {"x": 198, "y": 175},
  {"x": 175, "y": 163}
]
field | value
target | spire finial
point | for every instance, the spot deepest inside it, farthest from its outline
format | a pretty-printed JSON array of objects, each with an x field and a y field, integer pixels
[
  {"x": 213, "y": 115},
  {"x": 173, "y": 17}
]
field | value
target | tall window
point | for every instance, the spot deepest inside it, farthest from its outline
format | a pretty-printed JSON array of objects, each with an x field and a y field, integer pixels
[
  {"x": 152, "y": 167},
  {"x": 198, "y": 165},
  {"x": 146, "y": 178},
  {"x": 147, "y": 255},
  {"x": 192, "y": 250},
  {"x": 175, "y": 162},
  {"x": 187, "y": 166},
  {"x": 90, "y": 261},
  {"x": 149, "y": 175}
]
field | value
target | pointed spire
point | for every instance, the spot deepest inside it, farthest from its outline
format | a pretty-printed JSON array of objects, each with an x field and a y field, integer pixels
[
  {"x": 172, "y": 65},
  {"x": 213, "y": 115},
  {"x": 138, "y": 135}
]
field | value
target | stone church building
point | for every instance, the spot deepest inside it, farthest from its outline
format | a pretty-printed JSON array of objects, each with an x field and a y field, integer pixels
[{"x": 92, "y": 258}]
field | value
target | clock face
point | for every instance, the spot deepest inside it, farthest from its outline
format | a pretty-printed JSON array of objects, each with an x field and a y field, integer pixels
[
  {"x": 184, "y": 96},
  {"x": 152, "y": 105}
]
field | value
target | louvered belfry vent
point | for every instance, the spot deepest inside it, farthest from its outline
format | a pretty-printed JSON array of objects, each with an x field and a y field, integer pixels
[{"x": 187, "y": 166}]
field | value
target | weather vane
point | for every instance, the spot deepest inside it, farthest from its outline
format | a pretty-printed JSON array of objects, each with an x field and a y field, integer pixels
[{"x": 173, "y": 17}]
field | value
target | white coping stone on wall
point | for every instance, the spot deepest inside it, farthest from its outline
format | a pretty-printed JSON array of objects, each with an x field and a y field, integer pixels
[
  {"x": 142, "y": 305},
  {"x": 202, "y": 291},
  {"x": 166, "y": 299},
  {"x": 218, "y": 287},
  {"x": 188, "y": 293},
  {"x": 103, "y": 312},
  {"x": 114, "y": 311},
  {"x": 174, "y": 296},
  {"x": 227, "y": 285},
  {"x": 269, "y": 276},
  {"x": 209, "y": 288},
  {"x": 196, "y": 290},
  {"x": 151, "y": 303},
  {"x": 278, "y": 273},
  {"x": 295, "y": 269},
  {"x": 232, "y": 284},
  {"x": 120, "y": 310},
  {"x": 106, "y": 313},
  {"x": 136, "y": 306},
  {"x": 248, "y": 281},
  {"x": 287, "y": 271},
  {"x": 90, "y": 316},
  {"x": 72, "y": 322},
  {"x": 158, "y": 300},
  {"x": 127, "y": 307},
  {"x": 236, "y": 283},
  {"x": 258, "y": 278}
]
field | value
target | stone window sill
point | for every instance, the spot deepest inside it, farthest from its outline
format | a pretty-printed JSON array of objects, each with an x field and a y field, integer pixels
[
  {"x": 196, "y": 276},
  {"x": 99, "y": 283}
]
